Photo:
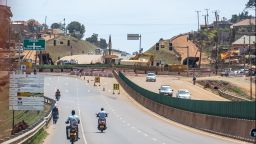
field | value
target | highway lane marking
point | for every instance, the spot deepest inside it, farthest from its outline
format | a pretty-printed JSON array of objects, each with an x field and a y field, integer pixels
[
  {"x": 178, "y": 125},
  {"x": 82, "y": 128},
  {"x": 79, "y": 111},
  {"x": 154, "y": 139}
]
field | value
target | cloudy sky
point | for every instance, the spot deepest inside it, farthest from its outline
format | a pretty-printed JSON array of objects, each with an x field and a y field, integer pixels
[{"x": 152, "y": 19}]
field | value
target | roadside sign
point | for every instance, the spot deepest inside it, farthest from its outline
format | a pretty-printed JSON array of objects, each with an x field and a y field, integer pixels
[
  {"x": 97, "y": 79},
  {"x": 26, "y": 92},
  {"x": 34, "y": 44},
  {"x": 133, "y": 36},
  {"x": 116, "y": 88},
  {"x": 253, "y": 133}
]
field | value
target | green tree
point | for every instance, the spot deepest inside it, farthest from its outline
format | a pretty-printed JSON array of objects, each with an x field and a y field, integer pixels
[
  {"x": 251, "y": 4},
  {"x": 236, "y": 18},
  {"x": 56, "y": 26},
  {"x": 76, "y": 29},
  {"x": 103, "y": 44},
  {"x": 34, "y": 26},
  {"x": 93, "y": 39}
]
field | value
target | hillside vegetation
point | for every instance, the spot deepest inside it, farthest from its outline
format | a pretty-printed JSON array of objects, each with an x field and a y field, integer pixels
[
  {"x": 164, "y": 54},
  {"x": 62, "y": 49}
]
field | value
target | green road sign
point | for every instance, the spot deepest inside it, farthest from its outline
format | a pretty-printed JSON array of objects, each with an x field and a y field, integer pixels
[{"x": 34, "y": 44}]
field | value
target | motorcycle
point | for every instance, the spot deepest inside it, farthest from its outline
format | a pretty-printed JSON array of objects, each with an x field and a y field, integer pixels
[
  {"x": 73, "y": 135},
  {"x": 102, "y": 124}
]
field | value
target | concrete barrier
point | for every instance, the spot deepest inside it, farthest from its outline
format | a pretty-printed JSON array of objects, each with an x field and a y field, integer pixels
[{"x": 230, "y": 127}]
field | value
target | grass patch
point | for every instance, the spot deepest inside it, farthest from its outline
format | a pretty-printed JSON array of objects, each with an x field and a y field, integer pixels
[
  {"x": 61, "y": 50},
  {"x": 38, "y": 138},
  {"x": 238, "y": 91}
]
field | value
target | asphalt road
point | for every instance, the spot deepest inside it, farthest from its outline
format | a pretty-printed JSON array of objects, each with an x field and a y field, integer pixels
[{"x": 127, "y": 122}]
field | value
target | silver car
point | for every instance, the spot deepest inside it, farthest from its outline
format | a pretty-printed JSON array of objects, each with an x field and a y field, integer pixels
[
  {"x": 183, "y": 93},
  {"x": 166, "y": 90},
  {"x": 151, "y": 77}
]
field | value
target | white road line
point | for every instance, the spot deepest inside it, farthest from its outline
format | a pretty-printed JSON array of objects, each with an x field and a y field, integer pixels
[
  {"x": 145, "y": 134},
  {"x": 82, "y": 128},
  {"x": 154, "y": 139}
]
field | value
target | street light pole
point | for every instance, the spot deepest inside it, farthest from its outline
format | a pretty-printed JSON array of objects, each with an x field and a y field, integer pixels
[
  {"x": 140, "y": 45},
  {"x": 187, "y": 61}
]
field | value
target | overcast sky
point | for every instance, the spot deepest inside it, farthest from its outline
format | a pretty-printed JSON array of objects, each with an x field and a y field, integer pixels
[{"x": 153, "y": 19}]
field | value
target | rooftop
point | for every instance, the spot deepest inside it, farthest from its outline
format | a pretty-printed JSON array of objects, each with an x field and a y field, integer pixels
[
  {"x": 245, "y": 22},
  {"x": 244, "y": 40}
]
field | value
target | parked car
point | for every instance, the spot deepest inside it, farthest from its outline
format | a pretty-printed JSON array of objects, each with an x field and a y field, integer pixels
[
  {"x": 226, "y": 72},
  {"x": 183, "y": 93},
  {"x": 166, "y": 90},
  {"x": 73, "y": 61},
  {"x": 151, "y": 77}
]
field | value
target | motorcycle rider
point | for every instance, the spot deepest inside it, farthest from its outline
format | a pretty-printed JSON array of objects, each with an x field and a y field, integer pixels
[
  {"x": 55, "y": 113},
  {"x": 73, "y": 120},
  {"x": 102, "y": 115},
  {"x": 57, "y": 94}
]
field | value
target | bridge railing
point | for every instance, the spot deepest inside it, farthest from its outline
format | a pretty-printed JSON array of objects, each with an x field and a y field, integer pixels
[{"x": 25, "y": 135}]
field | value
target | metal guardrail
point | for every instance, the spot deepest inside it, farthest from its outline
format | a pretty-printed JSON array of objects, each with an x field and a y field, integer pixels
[{"x": 25, "y": 135}]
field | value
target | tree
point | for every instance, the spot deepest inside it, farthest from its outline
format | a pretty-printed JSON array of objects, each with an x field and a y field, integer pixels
[
  {"x": 251, "y": 4},
  {"x": 76, "y": 29},
  {"x": 56, "y": 26},
  {"x": 34, "y": 26},
  {"x": 236, "y": 18},
  {"x": 103, "y": 44},
  {"x": 45, "y": 26},
  {"x": 93, "y": 39}
]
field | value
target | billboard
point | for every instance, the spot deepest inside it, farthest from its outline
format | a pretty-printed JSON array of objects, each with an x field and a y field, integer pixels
[{"x": 26, "y": 92}]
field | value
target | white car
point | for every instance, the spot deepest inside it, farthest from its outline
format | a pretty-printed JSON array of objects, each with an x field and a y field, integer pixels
[
  {"x": 166, "y": 90},
  {"x": 151, "y": 77},
  {"x": 183, "y": 93}
]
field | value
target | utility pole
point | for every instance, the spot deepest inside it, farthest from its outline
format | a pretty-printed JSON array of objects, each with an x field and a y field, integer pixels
[
  {"x": 207, "y": 16},
  {"x": 64, "y": 26},
  {"x": 244, "y": 53},
  {"x": 205, "y": 21},
  {"x": 250, "y": 60},
  {"x": 45, "y": 22},
  {"x": 140, "y": 45},
  {"x": 217, "y": 37},
  {"x": 198, "y": 26}
]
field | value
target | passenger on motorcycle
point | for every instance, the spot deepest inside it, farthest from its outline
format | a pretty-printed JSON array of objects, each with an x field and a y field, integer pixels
[{"x": 73, "y": 120}]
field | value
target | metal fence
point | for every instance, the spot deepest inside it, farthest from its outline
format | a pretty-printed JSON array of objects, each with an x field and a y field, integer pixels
[{"x": 241, "y": 110}]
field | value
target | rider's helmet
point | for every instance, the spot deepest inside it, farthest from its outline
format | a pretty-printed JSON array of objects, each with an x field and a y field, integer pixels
[
  {"x": 102, "y": 109},
  {"x": 58, "y": 90},
  {"x": 73, "y": 112}
]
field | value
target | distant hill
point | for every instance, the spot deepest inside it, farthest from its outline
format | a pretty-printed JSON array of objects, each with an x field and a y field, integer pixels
[
  {"x": 164, "y": 54},
  {"x": 61, "y": 49}
]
